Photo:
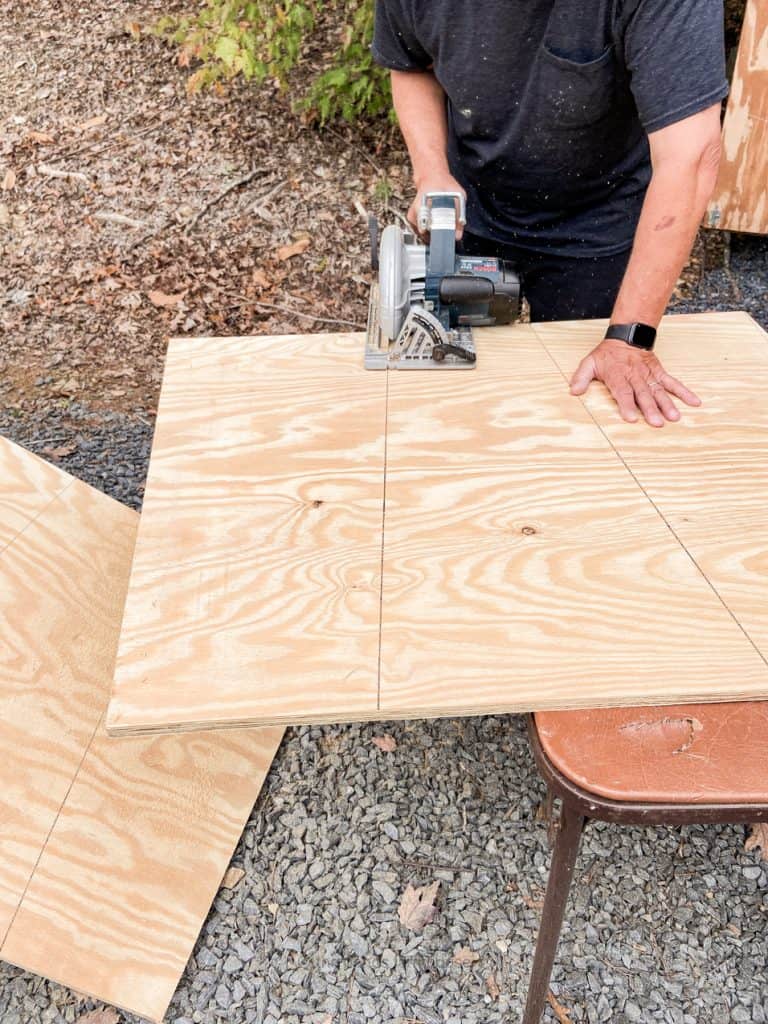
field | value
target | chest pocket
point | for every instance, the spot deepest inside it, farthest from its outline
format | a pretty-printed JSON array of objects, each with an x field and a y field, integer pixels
[{"x": 572, "y": 93}]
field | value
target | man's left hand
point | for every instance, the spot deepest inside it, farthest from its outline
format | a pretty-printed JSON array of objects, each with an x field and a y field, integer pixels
[{"x": 637, "y": 381}]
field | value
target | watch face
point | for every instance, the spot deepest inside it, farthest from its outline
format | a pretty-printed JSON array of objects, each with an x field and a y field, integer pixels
[{"x": 643, "y": 336}]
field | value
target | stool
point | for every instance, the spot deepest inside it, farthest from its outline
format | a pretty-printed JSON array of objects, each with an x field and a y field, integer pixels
[{"x": 692, "y": 764}]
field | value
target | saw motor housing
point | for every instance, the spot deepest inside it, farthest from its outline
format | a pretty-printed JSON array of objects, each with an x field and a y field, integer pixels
[{"x": 429, "y": 297}]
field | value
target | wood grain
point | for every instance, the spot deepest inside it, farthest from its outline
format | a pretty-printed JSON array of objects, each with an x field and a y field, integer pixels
[
  {"x": 520, "y": 573},
  {"x": 110, "y": 850},
  {"x": 707, "y": 474},
  {"x": 523, "y": 563},
  {"x": 740, "y": 199},
  {"x": 255, "y": 588}
]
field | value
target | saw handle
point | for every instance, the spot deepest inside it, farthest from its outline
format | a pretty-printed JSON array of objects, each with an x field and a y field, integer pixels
[
  {"x": 425, "y": 212},
  {"x": 464, "y": 288}
]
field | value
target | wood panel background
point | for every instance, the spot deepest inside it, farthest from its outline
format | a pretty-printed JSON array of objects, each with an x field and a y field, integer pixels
[
  {"x": 524, "y": 563},
  {"x": 110, "y": 850},
  {"x": 255, "y": 587},
  {"x": 740, "y": 199}
]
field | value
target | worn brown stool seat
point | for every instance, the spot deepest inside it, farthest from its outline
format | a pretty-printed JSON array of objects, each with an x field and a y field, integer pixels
[
  {"x": 692, "y": 753},
  {"x": 685, "y": 764}
]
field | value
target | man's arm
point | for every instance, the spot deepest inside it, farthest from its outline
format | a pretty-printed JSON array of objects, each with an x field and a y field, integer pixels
[
  {"x": 419, "y": 102},
  {"x": 685, "y": 159}
]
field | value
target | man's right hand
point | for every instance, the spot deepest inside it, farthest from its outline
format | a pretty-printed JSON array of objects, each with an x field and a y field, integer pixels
[{"x": 442, "y": 182}]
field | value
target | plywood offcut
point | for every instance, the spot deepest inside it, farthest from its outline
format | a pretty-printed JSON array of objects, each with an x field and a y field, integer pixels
[
  {"x": 111, "y": 850},
  {"x": 740, "y": 199},
  {"x": 519, "y": 561}
]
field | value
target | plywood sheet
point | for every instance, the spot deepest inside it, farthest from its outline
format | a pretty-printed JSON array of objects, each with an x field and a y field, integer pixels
[
  {"x": 740, "y": 199},
  {"x": 523, "y": 563},
  {"x": 255, "y": 588},
  {"x": 110, "y": 850},
  {"x": 708, "y": 474}
]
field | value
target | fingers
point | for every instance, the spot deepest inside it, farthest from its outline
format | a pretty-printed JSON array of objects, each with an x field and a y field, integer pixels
[
  {"x": 624, "y": 396},
  {"x": 665, "y": 403},
  {"x": 582, "y": 377},
  {"x": 646, "y": 399},
  {"x": 677, "y": 388}
]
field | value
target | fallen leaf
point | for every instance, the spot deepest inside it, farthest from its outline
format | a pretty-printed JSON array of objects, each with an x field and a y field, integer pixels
[
  {"x": 287, "y": 252},
  {"x": 260, "y": 279},
  {"x": 61, "y": 452},
  {"x": 493, "y": 987},
  {"x": 41, "y": 138},
  {"x": 386, "y": 743},
  {"x": 133, "y": 28},
  {"x": 758, "y": 839},
  {"x": 164, "y": 301},
  {"x": 105, "y": 1016},
  {"x": 273, "y": 909},
  {"x": 417, "y": 907},
  {"x": 465, "y": 955},
  {"x": 93, "y": 122},
  {"x": 558, "y": 1009},
  {"x": 232, "y": 878},
  {"x": 9, "y": 181}
]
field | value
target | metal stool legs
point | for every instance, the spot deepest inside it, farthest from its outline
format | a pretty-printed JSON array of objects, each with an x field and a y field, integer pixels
[{"x": 568, "y": 838}]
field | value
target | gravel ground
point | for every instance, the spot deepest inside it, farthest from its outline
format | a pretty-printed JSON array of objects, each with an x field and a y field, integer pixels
[{"x": 664, "y": 925}]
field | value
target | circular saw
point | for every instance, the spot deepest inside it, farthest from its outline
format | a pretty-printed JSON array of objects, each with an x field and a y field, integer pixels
[{"x": 428, "y": 297}]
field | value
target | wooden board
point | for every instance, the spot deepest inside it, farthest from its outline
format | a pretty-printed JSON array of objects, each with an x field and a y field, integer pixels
[
  {"x": 740, "y": 199},
  {"x": 523, "y": 563},
  {"x": 255, "y": 587},
  {"x": 111, "y": 850},
  {"x": 708, "y": 474}
]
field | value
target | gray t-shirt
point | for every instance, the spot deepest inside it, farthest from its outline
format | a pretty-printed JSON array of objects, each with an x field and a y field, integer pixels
[{"x": 550, "y": 102}]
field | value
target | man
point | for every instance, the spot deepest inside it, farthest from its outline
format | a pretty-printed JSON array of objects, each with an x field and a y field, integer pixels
[{"x": 586, "y": 137}]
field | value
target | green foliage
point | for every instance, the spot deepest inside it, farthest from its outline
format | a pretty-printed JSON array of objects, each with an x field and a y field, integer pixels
[{"x": 259, "y": 39}]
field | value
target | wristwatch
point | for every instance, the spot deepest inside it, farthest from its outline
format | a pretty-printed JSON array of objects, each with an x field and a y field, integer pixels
[{"x": 637, "y": 335}]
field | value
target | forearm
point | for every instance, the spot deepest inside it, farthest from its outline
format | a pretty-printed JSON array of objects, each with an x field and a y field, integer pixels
[
  {"x": 419, "y": 102},
  {"x": 674, "y": 205}
]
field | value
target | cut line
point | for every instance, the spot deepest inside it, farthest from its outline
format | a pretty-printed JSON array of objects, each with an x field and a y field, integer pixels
[
  {"x": 383, "y": 525},
  {"x": 653, "y": 504}
]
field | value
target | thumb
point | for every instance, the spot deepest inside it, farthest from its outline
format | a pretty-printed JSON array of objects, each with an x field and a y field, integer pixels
[{"x": 584, "y": 375}]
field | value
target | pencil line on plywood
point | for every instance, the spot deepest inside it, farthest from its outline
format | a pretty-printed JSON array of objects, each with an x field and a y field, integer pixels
[
  {"x": 54, "y": 821},
  {"x": 383, "y": 528},
  {"x": 656, "y": 508},
  {"x": 35, "y": 518}
]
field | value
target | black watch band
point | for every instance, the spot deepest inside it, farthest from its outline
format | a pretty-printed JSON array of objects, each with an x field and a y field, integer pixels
[{"x": 638, "y": 335}]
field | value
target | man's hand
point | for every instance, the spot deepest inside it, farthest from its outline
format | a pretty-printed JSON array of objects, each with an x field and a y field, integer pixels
[
  {"x": 440, "y": 181},
  {"x": 637, "y": 381}
]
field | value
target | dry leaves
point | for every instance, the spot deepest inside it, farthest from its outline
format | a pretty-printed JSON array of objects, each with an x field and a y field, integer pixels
[
  {"x": 758, "y": 839},
  {"x": 418, "y": 906},
  {"x": 93, "y": 122},
  {"x": 105, "y": 1016},
  {"x": 493, "y": 987},
  {"x": 465, "y": 955},
  {"x": 232, "y": 878},
  {"x": 386, "y": 743},
  {"x": 61, "y": 452},
  {"x": 9, "y": 180},
  {"x": 40, "y": 138},
  {"x": 164, "y": 301},
  {"x": 287, "y": 252},
  {"x": 558, "y": 1009}
]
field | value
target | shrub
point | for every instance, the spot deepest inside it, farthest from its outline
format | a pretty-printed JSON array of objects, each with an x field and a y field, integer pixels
[{"x": 258, "y": 39}]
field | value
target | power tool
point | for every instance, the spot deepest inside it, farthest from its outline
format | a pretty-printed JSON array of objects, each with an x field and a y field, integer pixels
[{"x": 429, "y": 297}]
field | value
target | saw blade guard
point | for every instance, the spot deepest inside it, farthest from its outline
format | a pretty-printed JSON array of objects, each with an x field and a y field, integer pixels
[
  {"x": 394, "y": 283},
  {"x": 402, "y": 267}
]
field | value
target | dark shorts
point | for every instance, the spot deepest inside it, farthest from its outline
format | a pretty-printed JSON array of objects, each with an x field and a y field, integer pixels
[{"x": 559, "y": 287}]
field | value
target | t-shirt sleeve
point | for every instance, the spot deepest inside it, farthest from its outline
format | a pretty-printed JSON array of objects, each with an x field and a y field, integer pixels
[
  {"x": 395, "y": 43},
  {"x": 675, "y": 54}
]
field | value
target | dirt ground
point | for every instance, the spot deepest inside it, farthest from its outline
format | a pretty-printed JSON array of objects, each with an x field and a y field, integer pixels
[{"x": 130, "y": 212}]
